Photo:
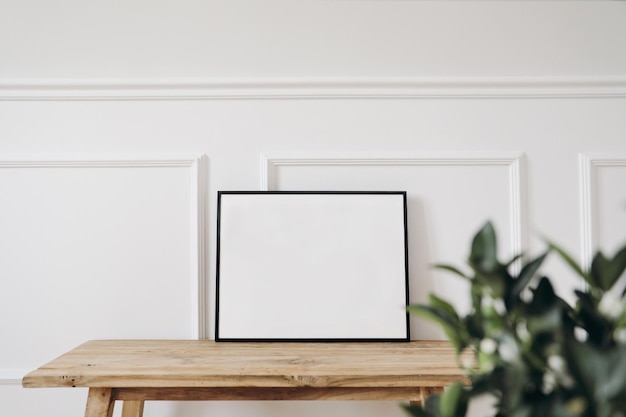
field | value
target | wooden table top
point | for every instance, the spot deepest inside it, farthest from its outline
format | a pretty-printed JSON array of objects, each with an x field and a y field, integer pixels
[{"x": 205, "y": 363}]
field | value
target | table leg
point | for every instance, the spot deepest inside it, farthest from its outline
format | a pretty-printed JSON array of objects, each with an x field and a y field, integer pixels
[
  {"x": 99, "y": 403},
  {"x": 132, "y": 409},
  {"x": 425, "y": 392}
]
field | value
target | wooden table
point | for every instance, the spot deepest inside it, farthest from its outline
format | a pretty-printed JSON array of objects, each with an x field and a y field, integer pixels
[{"x": 134, "y": 371}]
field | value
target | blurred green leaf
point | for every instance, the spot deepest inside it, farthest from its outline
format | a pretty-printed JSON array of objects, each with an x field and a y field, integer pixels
[
  {"x": 523, "y": 411},
  {"x": 539, "y": 366},
  {"x": 449, "y": 323},
  {"x": 548, "y": 321},
  {"x": 528, "y": 272},
  {"x": 571, "y": 262},
  {"x": 512, "y": 381},
  {"x": 452, "y": 269},
  {"x": 543, "y": 297},
  {"x": 474, "y": 325},
  {"x": 619, "y": 402},
  {"x": 454, "y": 401},
  {"x": 476, "y": 293},
  {"x": 601, "y": 373},
  {"x": 605, "y": 271},
  {"x": 598, "y": 328},
  {"x": 621, "y": 321},
  {"x": 432, "y": 313},
  {"x": 431, "y": 405},
  {"x": 416, "y": 411},
  {"x": 496, "y": 282},
  {"x": 480, "y": 385},
  {"x": 444, "y": 306},
  {"x": 484, "y": 252},
  {"x": 514, "y": 259}
]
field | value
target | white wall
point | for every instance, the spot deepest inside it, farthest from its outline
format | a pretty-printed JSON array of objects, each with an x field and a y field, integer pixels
[{"x": 513, "y": 111}]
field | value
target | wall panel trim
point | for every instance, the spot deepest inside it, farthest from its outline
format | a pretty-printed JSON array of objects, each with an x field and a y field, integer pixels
[
  {"x": 588, "y": 164},
  {"x": 514, "y": 161},
  {"x": 310, "y": 88},
  {"x": 198, "y": 203},
  {"x": 197, "y": 166},
  {"x": 95, "y": 161}
]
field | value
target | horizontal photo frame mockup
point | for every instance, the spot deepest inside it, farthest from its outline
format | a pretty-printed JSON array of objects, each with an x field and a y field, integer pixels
[{"x": 312, "y": 266}]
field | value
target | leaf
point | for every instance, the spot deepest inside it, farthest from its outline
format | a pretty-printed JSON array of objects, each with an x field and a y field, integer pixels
[
  {"x": 445, "y": 306},
  {"x": 513, "y": 381},
  {"x": 600, "y": 372},
  {"x": 497, "y": 282},
  {"x": 452, "y": 269},
  {"x": 523, "y": 411},
  {"x": 528, "y": 272},
  {"x": 605, "y": 271},
  {"x": 571, "y": 262},
  {"x": 515, "y": 258},
  {"x": 481, "y": 385},
  {"x": 621, "y": 321},
  {"x": 597, "y": 327},
  {"x": 548, "y": 321},
  {"x": 431, "y": 405},
  {"x": 476, "y": 292},
  {"x": 484, "y": 256},
  {"x": 416, "y": 411},
  {"x": 450, "y": 324},
  {"x": 619, "y": 402},
  {"x": 432, "y": 313},
  {"x": 474, "y": 325},
  {"x": 543, "y": 297},
  {"x": 454, "y": 401}
]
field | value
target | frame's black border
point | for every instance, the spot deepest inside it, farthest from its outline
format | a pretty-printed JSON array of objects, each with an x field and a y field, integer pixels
[{"x": 320, "y": 340}]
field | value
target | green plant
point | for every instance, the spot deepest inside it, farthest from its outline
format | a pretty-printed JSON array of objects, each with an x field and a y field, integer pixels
[{"x": 534, "y": 354}]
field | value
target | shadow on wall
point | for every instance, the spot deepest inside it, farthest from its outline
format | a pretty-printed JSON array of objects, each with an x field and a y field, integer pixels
[{"x": 421, "y": 274}]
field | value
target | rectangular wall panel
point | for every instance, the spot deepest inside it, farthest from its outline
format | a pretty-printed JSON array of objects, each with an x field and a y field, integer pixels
[
  {"x": 449, "y": 197},
  {"x": 603, "y": 203},
  {"x": 97, "y": 247}
]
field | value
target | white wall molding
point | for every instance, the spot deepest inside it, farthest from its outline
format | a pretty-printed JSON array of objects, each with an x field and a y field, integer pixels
[
  {"x": 197, "y": 204},
  {"x": 100, "y": 160},
  {"x": 588, "y": 164},
  {"x": 197, "y": 165},
  {"x": 311, "y": 88},
  {"x": 514, "y": 161}
]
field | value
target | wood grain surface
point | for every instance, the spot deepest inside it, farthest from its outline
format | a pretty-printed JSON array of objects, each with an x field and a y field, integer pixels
[{"x": 305, "y": 368}]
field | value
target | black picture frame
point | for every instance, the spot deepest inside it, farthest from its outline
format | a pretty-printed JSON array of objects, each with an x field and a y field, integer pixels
[{"x": 312, "y": 266}]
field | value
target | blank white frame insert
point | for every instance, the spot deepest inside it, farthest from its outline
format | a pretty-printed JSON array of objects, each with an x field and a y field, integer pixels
[{"x": 312, "y": 266}]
